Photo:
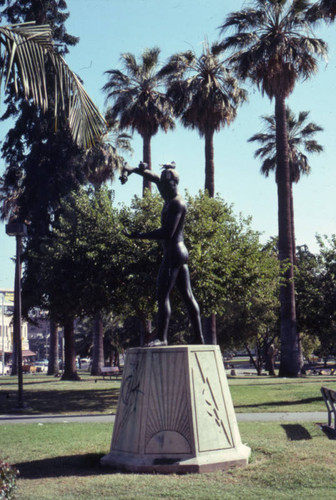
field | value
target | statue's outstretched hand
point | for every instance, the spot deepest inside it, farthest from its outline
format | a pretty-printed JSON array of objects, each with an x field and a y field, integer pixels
[{"x": 133, "y": 235}]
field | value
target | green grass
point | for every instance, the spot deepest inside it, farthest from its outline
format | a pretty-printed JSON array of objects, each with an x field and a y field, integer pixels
[
  {"x": 50, "y": 395},
  {"x": 273, "y": 394},
  {"x": 92, "y": 395},
  {"x": 289, "y": 461}
]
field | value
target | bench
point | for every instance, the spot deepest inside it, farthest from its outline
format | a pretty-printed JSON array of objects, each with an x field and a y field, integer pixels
[
  {"x": 329, "y": 397},
  {"x": 110, "y": 371}
]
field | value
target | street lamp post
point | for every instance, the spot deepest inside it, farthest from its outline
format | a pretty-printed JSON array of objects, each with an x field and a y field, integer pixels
[{"x": 18, "y": 230}]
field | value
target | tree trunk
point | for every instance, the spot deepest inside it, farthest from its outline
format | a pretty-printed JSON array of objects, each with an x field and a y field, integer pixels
[
  {"x": 290, "y": 345},
  {"x": 70, "y": 371},
  {"x": 98, "y": 346},
  {"x": 209, "y": 184},
  {"x": 14, "y": 370},
  {"x": 209, "y": 327},
  {"x": 147, "y": 158},
  {"x": 53, "y": 365},
  {"x": 293, "y": 225},
  {"x": 257, "y": 363},
  {"x": 145, "y": 329},
  {"x": 209, "y": 324}
]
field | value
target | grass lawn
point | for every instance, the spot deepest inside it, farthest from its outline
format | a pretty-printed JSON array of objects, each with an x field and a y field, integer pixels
[
  {"x": 50, "y": 395},
  {"x": 90, "y": 395},
  {"x": 273, "y": 394},
  {"x": 289, "y": 461}
]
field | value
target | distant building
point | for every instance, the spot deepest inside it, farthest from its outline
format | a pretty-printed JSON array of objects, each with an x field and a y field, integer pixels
[{"x": 7, "y": 329}]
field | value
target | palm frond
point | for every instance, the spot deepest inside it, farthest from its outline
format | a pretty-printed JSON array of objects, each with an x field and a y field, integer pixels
[
  {"x": 150, "y": 59},
  {"x": 26, "y": 50}
]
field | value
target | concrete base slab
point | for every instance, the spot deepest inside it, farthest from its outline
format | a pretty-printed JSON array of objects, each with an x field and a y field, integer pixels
[{"x": 175, "y": 413}]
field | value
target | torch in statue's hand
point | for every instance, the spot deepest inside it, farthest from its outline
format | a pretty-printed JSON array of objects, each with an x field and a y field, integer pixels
[{"x": 124, "y": 174}]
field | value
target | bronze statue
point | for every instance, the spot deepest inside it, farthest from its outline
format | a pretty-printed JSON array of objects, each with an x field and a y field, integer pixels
[{"x": 174, "y": 267}]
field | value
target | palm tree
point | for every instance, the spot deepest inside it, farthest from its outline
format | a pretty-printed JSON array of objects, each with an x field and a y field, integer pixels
[
  {"x": 26, "y": 50},
  {"x": 300, "y": 137},
  {"x": 273, "y": 46},
  {"x": 205, "y": 96},
  {"x": 137, "y": 99}
]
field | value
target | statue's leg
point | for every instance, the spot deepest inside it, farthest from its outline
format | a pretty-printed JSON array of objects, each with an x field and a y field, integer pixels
[
  {"x": 166, "y": 280},
  {"x": 184, "y": 287}
]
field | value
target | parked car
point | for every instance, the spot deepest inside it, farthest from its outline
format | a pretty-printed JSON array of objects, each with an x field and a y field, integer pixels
[{"x": 41, "y": 366}]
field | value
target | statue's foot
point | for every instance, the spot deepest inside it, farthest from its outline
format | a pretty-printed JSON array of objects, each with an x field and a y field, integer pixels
[{"x": 156, "y": 343}]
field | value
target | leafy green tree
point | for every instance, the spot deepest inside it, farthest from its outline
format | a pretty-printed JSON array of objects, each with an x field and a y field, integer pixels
[
  {"x": 138, "y": 99},
  {"x": 78, "y": 264},
  {"x": 141, "y": 261},
  {"x": 272, "y": 45},
  {"x": 300, "y": 138},
  {"x": 232, "y": 275},
  {"x": 251, "y": 321},
  {"x": 316, "y": 293}
]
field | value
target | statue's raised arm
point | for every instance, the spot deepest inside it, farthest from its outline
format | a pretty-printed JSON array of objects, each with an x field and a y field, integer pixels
[{"x": 142, "y": 170}]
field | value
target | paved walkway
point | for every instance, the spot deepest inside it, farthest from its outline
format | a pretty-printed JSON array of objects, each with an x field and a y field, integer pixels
[{"x": 318, "y": 417}]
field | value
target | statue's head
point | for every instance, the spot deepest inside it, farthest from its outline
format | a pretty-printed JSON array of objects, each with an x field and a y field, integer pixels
[{"x": 169, "y": 180}]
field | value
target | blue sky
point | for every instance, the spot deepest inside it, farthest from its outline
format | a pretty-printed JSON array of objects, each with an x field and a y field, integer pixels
[{"x": 107, "y": 28}]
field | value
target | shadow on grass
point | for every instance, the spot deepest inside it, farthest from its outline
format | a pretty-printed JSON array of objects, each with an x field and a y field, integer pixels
[
  {"x": 268, "y": 404},
  {"x": 73, "y": 465},
  {"x": 296, "y": 432},
  {"x": 13, "y": 383},
  {"x": 330, "y": 432},
  {"x": 57, "y": 402}
]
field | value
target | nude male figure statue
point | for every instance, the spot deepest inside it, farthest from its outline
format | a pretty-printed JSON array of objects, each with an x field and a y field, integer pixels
[{"x": 174, "y": 269}]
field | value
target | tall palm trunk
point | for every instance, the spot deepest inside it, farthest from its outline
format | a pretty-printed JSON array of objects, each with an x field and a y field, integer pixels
[
  {"x": 209, "y": 163},
  {"x": 70, "y": 371},
  {"x": 98, "y": 346},
  {"x": 53, "y": 366},
  {"x": 147, "y": 158},
  {"x": 293, "y": 225},
  {"x": 290, "y": 345},
  {"x": 209, "y": 323}
]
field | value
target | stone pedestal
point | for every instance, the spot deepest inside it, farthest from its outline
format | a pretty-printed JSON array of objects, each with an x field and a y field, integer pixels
[{"x": 175, "y": 413}]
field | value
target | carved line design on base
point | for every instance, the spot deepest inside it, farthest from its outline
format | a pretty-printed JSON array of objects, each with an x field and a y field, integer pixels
[
  {"x": 216, "y": 415},
  {"x": 131, "y": 391}
]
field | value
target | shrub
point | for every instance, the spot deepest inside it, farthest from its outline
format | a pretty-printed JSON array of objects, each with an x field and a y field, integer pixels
[{"x": 8, "y": 475}]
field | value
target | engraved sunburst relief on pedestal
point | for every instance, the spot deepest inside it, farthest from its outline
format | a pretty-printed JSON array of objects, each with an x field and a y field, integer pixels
[{"x": 169, "y": 426}]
